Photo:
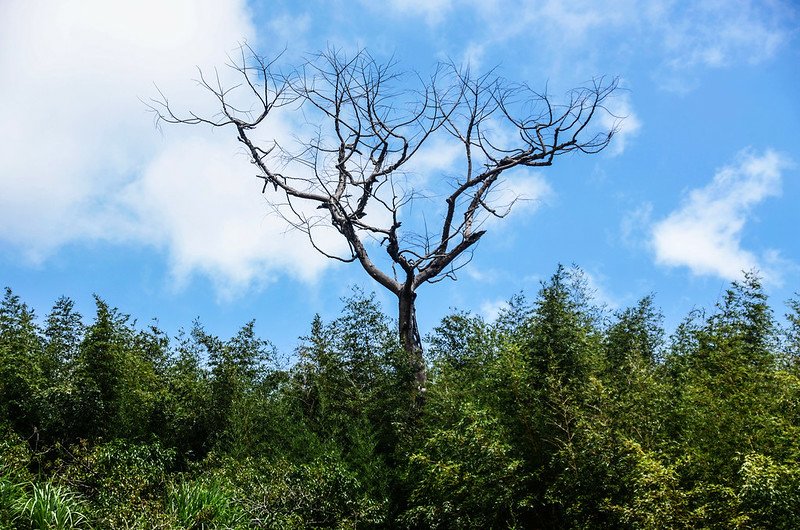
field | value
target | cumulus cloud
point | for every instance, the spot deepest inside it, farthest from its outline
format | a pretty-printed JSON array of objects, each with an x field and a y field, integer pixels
[
  {"x": 82, "y": 160},
  {"x": 194, "y": 200},
  {"x": 74, "y": 129},
  {"x": 705, "y": 233}
]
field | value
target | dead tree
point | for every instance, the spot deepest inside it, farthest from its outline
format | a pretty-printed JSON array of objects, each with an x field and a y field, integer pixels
[{"x": 354, "y": 170}]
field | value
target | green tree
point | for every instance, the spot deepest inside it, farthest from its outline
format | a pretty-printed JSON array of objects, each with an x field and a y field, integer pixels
[
  {"x": 564, "y": 339},
  {"x": 355, "y": 388},
  {"x": 636, "y": 336},
  {"x": 116, "y": 382},
  {"x": 238, "y": 367},
  {"x": 792, "y": 335},
  {"x": 528, "y": 376},
  {"x": 351, "y": 368},
  {"x": 187, "y": 400},
  {"x": 22, "y": 365},
  {"x": 729, "y": 399},
  {"x": 466, "y": 475},
  {"x": 63, "y": 333},
  {"x": 636, "y": 393}
]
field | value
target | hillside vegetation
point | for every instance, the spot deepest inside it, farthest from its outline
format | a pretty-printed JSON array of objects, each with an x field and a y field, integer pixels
[{"x": 559, "y": 414}]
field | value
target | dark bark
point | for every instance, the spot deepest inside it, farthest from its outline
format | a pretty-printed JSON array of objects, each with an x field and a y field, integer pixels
[{"x": 410, "y": 338}]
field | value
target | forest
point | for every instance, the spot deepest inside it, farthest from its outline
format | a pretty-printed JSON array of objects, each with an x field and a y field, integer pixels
[{"x": 558, "y": 414}]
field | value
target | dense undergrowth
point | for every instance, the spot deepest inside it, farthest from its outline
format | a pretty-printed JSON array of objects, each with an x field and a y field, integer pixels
[{"x": 557, "y": 415}]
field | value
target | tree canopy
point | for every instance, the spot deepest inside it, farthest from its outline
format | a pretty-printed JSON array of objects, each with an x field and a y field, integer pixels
[{"x": 559, "y": 414}]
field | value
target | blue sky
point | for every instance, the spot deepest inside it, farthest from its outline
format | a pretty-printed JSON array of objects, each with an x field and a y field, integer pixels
[{"x": 700, "y": 183}]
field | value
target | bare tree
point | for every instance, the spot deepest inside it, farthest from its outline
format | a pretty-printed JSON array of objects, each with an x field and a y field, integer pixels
[{"x": 355, "y": 170}]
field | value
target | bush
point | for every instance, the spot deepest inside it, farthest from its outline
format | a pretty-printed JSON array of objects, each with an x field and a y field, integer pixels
[
  {"x": 282, "y": 494},
  {"x": 123, "y": 480},
  {"x": 198, "y": 506}
]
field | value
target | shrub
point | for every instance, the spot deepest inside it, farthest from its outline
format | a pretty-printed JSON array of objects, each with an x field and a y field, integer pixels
[{"x": 199, "y": 506}]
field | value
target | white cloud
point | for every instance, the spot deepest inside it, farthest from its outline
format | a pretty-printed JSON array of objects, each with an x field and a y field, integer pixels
[
  {"x": 712, "y": 33},
  {"x": 473, "y": 55},
  {"x": 705, "y": 233},
  {"x": 489, "y": 275},
  {"x": 595, "y": 283},
  {"x": 491, "y": 309},
  {"x": 621, "y": 116},
  {"x": 580, "y": 19},
  {"x": 577, "y": 39},
  {"x": 290, "y": 32},
  {"x": 715, "y": 35},
  {"x": 74, "y": 130},
  {"x": 432, "y": 10},
  {"x": 720, "y": 33},
  {"x": 439, "y": 155},
  {"x": 205, "y": 208},
  {"x": 523, "y": 191},
  {"x": 80, "y": 158}
]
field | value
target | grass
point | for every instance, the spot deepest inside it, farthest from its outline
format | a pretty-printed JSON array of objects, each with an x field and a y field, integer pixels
[{"x": 50, "y": 507}]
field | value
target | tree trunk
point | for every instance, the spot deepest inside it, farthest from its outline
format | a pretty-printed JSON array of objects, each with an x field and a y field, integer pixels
[{"x": 410, "y": 339}]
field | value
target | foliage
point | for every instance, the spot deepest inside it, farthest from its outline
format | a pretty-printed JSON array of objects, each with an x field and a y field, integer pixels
[
  {"x": 198, "y": 506},
  {"x": 122, "y": 479},
  {"x": 770, "y": 492},
  {"x": 465, "y": 475},
  {"x": 21, "y": 366},
  {"x": 559, "y": 414},
  {"x": 51, "y": 507},
  {"x": 323, "y": 492},
  {"x": 15, "y": 458},
  {"x": 12, "y": 497}
]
